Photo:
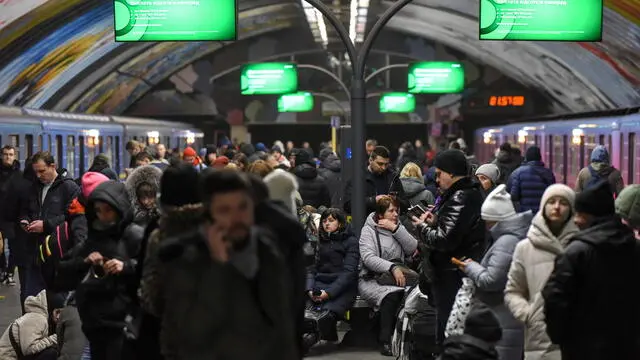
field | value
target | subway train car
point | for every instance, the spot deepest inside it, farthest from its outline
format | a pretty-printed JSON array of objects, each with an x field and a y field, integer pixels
[
  {"x": 75, "y": 139},
  {"x": 566, "y": 143}
]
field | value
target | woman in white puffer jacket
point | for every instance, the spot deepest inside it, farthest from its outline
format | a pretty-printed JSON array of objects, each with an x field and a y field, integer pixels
[{"x": 533, "y": 262}]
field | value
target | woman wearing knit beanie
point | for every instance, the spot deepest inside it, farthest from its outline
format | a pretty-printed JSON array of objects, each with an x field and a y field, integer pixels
[
  {"x": 533, "y": 262},
  {"x": 490, "y": 275}
]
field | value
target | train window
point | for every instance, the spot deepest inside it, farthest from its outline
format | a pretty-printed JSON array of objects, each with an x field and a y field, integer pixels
[
  {"x": 92, "y": 147},
  {"x": 49, "y": 143},
  {"x": 551, "y": 152},
  {"x": 109, "y": 148},
  {"x": 601, "y": 140},
  {"x": 116, "y": 162},
  {"x": 81, "y": 159},
  {"x": 583, "y": 146},
  {"x": 609, "y": 143},
  {"x": 39, "y": 143},
  {"x": 59, "y": 150},
  {"x": 572, "y": 160},
  {"x": 558, "y": 161},
  {"x": 167, "y": 142},
  {"x": 565, "y": 150},
  {"x": 632, "y": 157},
  {"x": 70, "y": 155},
  {"x": 101, "y": 145},
  {"x": 14, "y": 140},
  {"x": 28, "y": 144}
]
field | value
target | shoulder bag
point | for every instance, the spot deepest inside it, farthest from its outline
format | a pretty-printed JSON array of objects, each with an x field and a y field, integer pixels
[{"x": 386, "y": 278}]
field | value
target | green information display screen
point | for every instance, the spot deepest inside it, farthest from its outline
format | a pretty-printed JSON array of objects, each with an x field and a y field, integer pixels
[
  {"x": 397, "y": 102},
  {"x": 269, "y": 79},
  {"x": 436, "y": 78},
  {"x": 558, "y": 20},
  {"x": 298, "y": 102},
  {"x": 186, "y": 20}
]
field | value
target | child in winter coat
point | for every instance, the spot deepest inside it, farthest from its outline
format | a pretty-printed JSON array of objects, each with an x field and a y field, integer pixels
[
  {"x": 481, "y": 334},
  {"x": 28, "y": 336}
]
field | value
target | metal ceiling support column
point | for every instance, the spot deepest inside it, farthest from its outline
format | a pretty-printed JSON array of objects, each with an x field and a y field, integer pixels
[
  {"x": 384, "y": 69},
  {"x": 328, "y": 73},
  {"x": 358, "y": 101},
  {"x": 333, "y": 99}
]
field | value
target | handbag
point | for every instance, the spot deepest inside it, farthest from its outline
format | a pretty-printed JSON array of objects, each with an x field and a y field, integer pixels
[
  {"x": 461, "y": 307},
  {"x": 387, "y": 279}
]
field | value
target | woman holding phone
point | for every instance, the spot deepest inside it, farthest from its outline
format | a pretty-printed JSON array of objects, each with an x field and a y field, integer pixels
[{"x": 384, "y": 244}]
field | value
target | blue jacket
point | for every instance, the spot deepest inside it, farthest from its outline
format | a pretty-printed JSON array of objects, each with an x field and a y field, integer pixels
[{"x": 527, "y": 184}]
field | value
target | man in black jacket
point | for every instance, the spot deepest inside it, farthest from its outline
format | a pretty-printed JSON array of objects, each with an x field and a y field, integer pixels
[
  {"x": 9, "y": 175},
  {"x": 380, "y": 179},
  {"x": 453, "y": 229},
  {"x": 227, "y": 284},
  {"x": 45, "y": 210},
  {"x": 590, "y": 309}
]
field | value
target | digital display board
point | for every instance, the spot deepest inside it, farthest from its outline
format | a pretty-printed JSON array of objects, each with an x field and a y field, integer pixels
[
  {"x": 436, "y": 78},
  {"x": 541, "y": 20},
  {"x": 298, "y": 102},
  {"x": 269, "y": 78},
  {"x": 506, "y": 101},
  {"x": 397, "y": 102},
  {"x": 180, "y": 20}
]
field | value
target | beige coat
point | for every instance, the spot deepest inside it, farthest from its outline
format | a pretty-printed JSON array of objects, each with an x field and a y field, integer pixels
[
  {"x": 533, "y": 262},
  {"x": 31, "y": 330}
]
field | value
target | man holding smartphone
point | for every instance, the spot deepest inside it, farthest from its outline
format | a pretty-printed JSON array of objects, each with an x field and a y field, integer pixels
[
  {"x": 50, "y": 197},
  {"x": 453, "y": 230}
]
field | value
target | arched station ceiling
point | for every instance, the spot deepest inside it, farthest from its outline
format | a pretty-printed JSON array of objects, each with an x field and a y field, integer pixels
[{"x": 109, "y": 76}]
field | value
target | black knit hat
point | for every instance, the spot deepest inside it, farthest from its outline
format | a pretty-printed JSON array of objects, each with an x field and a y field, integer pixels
[
  {"x": 596, "y": 200},
  {"x": 54, "y": 301},
  {"x": 179, "y": 185},
  {"x": 302, "y": 157},
  {"x": 483, "y": 324},
  {"x": 533, "y": 154},
  {"x": 452, "y": 161}
]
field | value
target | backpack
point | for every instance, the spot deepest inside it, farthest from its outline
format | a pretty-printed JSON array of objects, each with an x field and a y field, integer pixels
[
  {"x": 414, "y": 335},
  {"x": 51, "y": 250},
  {"x": 311, "y": 231},
  {"x": 596, "y": 177}
]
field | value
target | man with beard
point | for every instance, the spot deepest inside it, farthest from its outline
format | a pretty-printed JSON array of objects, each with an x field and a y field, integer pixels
[{"x": 226, "y": 288}]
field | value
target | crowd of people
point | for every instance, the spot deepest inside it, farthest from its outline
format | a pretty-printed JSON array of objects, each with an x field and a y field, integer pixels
[{"x": 197, "y": 254}]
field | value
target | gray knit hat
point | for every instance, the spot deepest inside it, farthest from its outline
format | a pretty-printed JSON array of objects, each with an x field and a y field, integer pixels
[{"x": 628, "y": 205}]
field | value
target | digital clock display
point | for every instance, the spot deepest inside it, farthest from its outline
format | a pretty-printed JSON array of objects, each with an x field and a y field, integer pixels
[{"x": 506, "y": 101}]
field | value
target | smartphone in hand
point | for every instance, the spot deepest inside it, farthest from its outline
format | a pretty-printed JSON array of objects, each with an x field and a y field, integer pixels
[
  {"x": 417, "y": 210},
  {"x": 458, "y": 262}
]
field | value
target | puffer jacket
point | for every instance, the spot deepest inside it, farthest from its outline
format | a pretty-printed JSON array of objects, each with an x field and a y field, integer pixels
[
  {"x": 530, "y": 268},
  {"x": 31, "y": 330},
  {"x": 103, "y": 302},
  {"x": 528, "y": 183},
  {"x": 144, "y": 175},
  {"x": 459, "y": 229},
  {"x": 588, "y": 276},
  {"x": 490, "y": 278},
  {"x": 313, "y": 189},
  {"x": 330, "y": 171}
]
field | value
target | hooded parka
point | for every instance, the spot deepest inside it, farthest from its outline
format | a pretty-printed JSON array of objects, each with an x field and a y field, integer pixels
[{"x": 531, "y": 266}]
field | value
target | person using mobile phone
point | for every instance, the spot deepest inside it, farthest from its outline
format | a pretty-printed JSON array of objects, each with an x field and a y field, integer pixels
[
  {"x": 490, "y": 275},
  {"x": 457, "y": 230},
  {"x": 107, "y": 257}
]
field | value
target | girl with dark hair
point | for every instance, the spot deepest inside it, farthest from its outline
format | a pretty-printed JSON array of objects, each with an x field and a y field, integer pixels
[{"x": 332, "y": 281}]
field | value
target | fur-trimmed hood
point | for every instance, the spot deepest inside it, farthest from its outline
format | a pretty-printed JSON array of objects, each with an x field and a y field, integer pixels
[
  {"x": 283, "y": 186},
  {"x": 147, "y": 174}
]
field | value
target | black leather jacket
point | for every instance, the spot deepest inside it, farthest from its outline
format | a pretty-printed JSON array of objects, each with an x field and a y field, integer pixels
[{"x": 459, "y": 229}]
